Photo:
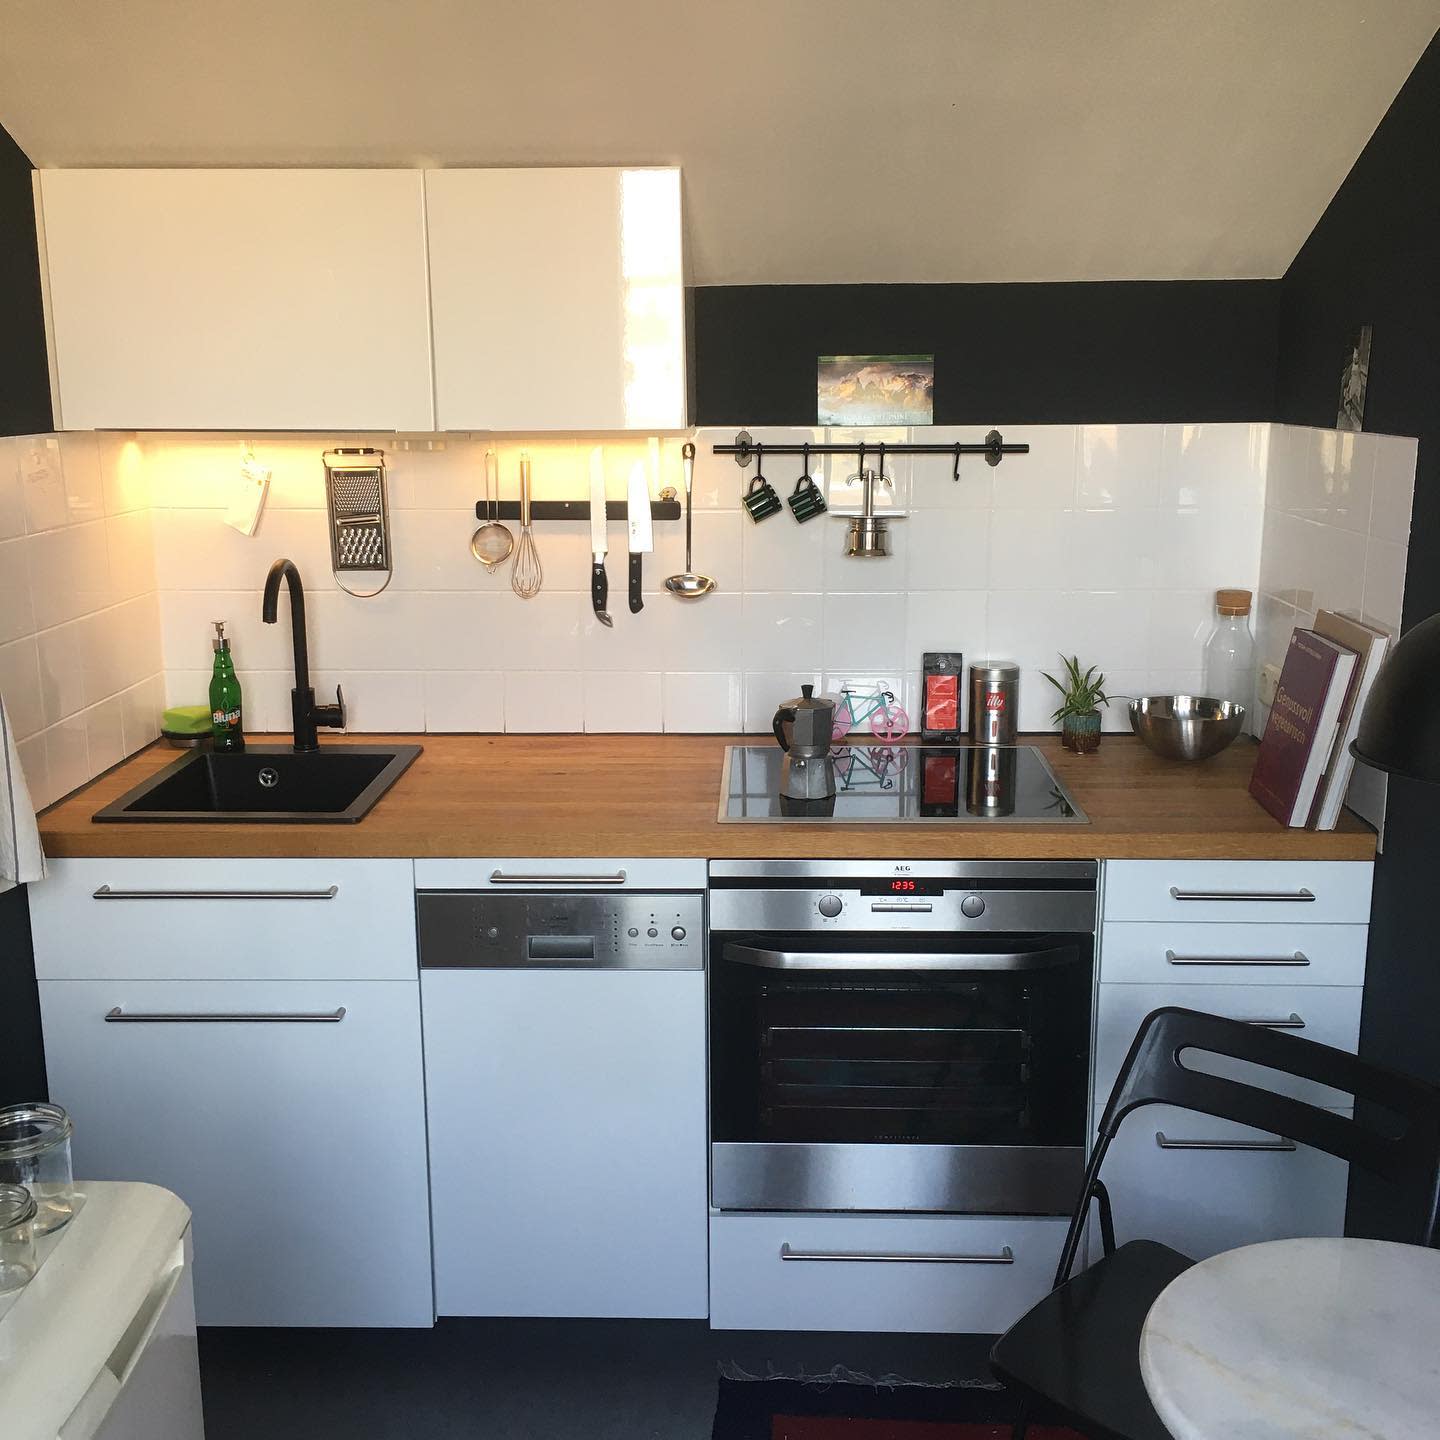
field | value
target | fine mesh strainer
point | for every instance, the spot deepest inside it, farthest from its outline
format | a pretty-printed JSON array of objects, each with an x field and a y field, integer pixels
[{"x": 492, "y": 543}]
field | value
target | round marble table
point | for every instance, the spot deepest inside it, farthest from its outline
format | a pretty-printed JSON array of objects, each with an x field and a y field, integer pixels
[{"x": 1320, "y": 1339}]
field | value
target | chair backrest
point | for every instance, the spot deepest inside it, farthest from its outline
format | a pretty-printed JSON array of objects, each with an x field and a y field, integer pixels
[{"x": 1402, "y": 1146}]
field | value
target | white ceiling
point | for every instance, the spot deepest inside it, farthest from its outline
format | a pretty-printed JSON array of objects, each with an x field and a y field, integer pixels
[{"x": 821, "y": 140}]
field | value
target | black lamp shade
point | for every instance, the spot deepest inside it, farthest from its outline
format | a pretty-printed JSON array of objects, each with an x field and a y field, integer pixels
[{"x": 1400, "y": 728}]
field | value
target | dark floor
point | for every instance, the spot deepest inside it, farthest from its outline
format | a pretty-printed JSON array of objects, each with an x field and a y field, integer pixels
[{"x": 525, "y": 1379}]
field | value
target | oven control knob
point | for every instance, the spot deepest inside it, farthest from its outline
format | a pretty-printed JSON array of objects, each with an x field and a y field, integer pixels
[
  {"x": 831, "y": 906},
  {"x": 972, "y": 907},
  {"x": 678, "y": 932}
]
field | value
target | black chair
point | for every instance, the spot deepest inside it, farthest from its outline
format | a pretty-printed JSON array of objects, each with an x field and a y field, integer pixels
[{"x": 1075, "y": 1357}]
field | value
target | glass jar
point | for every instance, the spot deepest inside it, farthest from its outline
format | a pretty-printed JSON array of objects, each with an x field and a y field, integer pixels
[
  {"x": 1229, "y": 665},
  {"x": 17, "y": 1237},
  {"x": 35, "y": 1153}
]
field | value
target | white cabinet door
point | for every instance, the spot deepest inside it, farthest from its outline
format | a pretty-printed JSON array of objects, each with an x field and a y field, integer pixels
[
  {"x": 567, "y": 1142},
  {"x": 1267, "y": 892},
  {"x": 558, "y": 299},
  {"x": 299, "y": 1145},
  {"x": 237, "y": 299}
]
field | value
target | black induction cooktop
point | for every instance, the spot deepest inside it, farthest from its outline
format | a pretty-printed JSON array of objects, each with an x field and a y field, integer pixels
[{"x": 890, "y": 784}]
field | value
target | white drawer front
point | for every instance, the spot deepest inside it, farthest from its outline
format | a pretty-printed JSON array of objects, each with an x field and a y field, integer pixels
[
  {"x": 579, "y": 873},
  {"x": 994, "y": 1269},
  {"x": 1202, "y": 1201},
  {"x": 225, "y": 920},
  {"x": 1176, "y": 953},
  {"x": 1327, "y": 1013},
  {"x": 298, "y": 1143},
  {"x": 1269, "y": 892}
]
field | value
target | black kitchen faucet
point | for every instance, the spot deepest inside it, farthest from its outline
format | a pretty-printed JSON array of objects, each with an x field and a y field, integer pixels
[{"x": 306, "y": 715}]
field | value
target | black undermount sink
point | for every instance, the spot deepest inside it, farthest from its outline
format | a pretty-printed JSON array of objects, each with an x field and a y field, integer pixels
[{"x": 266, "y": 784}]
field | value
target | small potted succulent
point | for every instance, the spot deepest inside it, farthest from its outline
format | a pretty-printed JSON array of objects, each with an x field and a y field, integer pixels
[{"x": 1082, "y": 693}]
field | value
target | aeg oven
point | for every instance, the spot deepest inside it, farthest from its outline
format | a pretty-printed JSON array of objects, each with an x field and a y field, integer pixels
[{"x": 892, "y": 1037}]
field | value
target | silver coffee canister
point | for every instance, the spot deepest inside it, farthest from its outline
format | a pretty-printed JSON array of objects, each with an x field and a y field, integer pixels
[{"x": 994, "y": 702}]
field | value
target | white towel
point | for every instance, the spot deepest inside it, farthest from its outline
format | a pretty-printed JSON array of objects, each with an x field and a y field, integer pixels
[{"x": 21, "y": 858}]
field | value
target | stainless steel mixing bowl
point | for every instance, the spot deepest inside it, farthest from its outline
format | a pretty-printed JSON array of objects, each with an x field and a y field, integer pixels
[{"x": 1186, "y": 727}]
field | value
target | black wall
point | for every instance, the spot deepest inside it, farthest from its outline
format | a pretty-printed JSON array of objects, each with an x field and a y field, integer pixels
[
  {"x": 1119, "y": 351},
  {"x": 1375, "y": 258},
  {"x": 24, "y": 410}
]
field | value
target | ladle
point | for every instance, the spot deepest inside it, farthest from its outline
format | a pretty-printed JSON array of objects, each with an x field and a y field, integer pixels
[{"x": 689, "y": 585}]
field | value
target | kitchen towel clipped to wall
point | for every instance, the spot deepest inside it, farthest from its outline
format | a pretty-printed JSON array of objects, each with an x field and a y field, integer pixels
[{"x": 21, "y": 858}]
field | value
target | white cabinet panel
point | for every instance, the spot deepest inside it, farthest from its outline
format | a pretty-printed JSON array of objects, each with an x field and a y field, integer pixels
[
  {"x": 995, "y": 1269},
  {"x": 237, "y": 299},
  {"x": 225, "y": 920},
  {"x": 1202, "y": 1201},
  {"x": 558, "y": 299},
  {"x": 299, "y": 1147},
  {"x": 1327, "y": 1013},
  {"x": 568, "y": 1144},
  {"x": 1232, "y": 890},
  {"x": 1173, "y": 952}
]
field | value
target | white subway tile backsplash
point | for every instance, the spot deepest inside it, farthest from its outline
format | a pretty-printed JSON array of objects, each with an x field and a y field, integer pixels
[
  {"x": 1180, "y": 624},
  {"x": 69, "y": 572},
  {"x": 945, "y": 620},
  {"x": 1394, "y": 488},
  {"x": 1208, "y": 466},
  {"x": 1118, "y": 467},
  {"x": 717, "y": 550},
  {"x": 62, "y": 672},
  {"x": 1029, "y": 549},
  {"x": 80, "y": 463},
  {"x": 68, "y": 753},
  {"x": 1109, "y": 628},
  {"x": 105, "y": 734},
  {"x": 1112, "y": 550},
  {"x": 699, "y": 635},
  {"x": 20, "y": 686},
  {"x": 17, "y": 612},
  {"x": 35, "y": 762},
  {"x": 543, "y": 702},
  {"x": 706, "y": 704},
  {"x": 949, "y": 550},
  {"x": 630, "y": 642},
  {"x": 12, "y": 500},
  {"x": 782, "y": 631},
  {"x": 1042, "y": 480},
  {"x": 780, "y": 555},
  {"x": 130, "y": 546},
  {"x": 140, "y": 708},
  {"x": 1024, "y": 626},
  {"x": 621, "y": 701},
  {"x": 464, "y": 700},
  {"x": 863, "y": 631},
  {"x": 42, "y": 483},
  {"x": 1212, "y": 547},
  {"x": 376, "y": 700}
]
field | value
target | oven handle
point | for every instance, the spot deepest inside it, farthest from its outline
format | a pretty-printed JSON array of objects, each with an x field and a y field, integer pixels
[
  {"x": 1005, "y": 1257},
  {"x": 884, "y": 960}
]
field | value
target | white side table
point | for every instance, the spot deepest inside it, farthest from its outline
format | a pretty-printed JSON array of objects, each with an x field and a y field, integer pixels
[{"x": 1299, "y": 1338}]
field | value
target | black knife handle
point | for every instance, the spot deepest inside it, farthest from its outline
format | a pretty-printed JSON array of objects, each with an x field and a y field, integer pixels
[
  {"x": 636, "y": 603},
  {"x": 599, "y": 586}
]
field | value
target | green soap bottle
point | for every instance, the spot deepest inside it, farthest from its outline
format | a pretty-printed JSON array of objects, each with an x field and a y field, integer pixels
[{"x": 225, "y": 718}]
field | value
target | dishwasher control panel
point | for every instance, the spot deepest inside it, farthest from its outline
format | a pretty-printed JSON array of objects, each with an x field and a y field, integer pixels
[{"x": 553, "y": 929}]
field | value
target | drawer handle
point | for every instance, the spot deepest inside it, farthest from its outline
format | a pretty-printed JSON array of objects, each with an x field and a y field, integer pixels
[
  {"x": 1290, "y": 1022},
  {"x": 1005, "y": 1257},
  {"x": 226, "y": 1017},
  {"x": 1166, "y": 1143},
  {"x": 923, "y": 907},
  {"x": 106, "y": 893},
  {"x": 1291, "y": 896},
  {"x": 1298, "y": 958},
  {"x": 499, "y": 877}
]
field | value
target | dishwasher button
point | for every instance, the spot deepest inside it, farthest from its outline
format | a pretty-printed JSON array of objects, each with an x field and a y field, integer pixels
[
  {"x": 972, "y": 907},
  {"x": 678, "y": 932},
  {"x": 831, "y": 906},
  {"x": 633, "y": 933},
  {"x": 652, "y": 932}
]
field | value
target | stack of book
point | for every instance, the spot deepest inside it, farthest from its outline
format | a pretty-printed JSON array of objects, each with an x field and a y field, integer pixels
[{"x": 1304, "y": 765}]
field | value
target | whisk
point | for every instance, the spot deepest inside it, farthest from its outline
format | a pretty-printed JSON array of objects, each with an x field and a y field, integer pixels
[{"x": 526, "y": 574}]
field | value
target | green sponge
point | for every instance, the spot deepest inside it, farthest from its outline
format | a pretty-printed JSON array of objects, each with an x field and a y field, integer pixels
[{"x": 186, "y": 720}]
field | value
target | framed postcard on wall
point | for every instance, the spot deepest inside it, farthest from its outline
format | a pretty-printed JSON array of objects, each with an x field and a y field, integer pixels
[{"x": 876, "y": 389}]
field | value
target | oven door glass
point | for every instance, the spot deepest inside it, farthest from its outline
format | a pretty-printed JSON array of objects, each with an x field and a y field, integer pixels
[{"x": 901, "y": 1040}]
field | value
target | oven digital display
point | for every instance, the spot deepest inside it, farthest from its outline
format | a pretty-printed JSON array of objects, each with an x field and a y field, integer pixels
[{"x": 902, "y": 885}]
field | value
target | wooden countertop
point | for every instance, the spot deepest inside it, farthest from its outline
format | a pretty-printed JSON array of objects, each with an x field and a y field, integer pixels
[{"x": 657, "y": 795}]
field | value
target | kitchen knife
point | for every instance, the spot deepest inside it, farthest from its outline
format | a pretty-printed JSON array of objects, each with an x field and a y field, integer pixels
[
  {"x": 642, "y": 533},
  {"x": 599, "y": 544}
]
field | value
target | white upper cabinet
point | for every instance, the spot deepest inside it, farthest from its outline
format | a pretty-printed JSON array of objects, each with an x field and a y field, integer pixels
[
  {"x": 558, "y": 299},
  {"x": 237, "y": 299}
]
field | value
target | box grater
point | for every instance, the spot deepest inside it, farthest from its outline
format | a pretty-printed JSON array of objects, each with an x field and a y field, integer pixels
[{"x": 359, "y": 514}]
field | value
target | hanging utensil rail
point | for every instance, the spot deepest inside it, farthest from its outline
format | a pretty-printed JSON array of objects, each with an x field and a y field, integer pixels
[
  {"x": 580, "y": 509},
  {"x": 993, "y": 448}
]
